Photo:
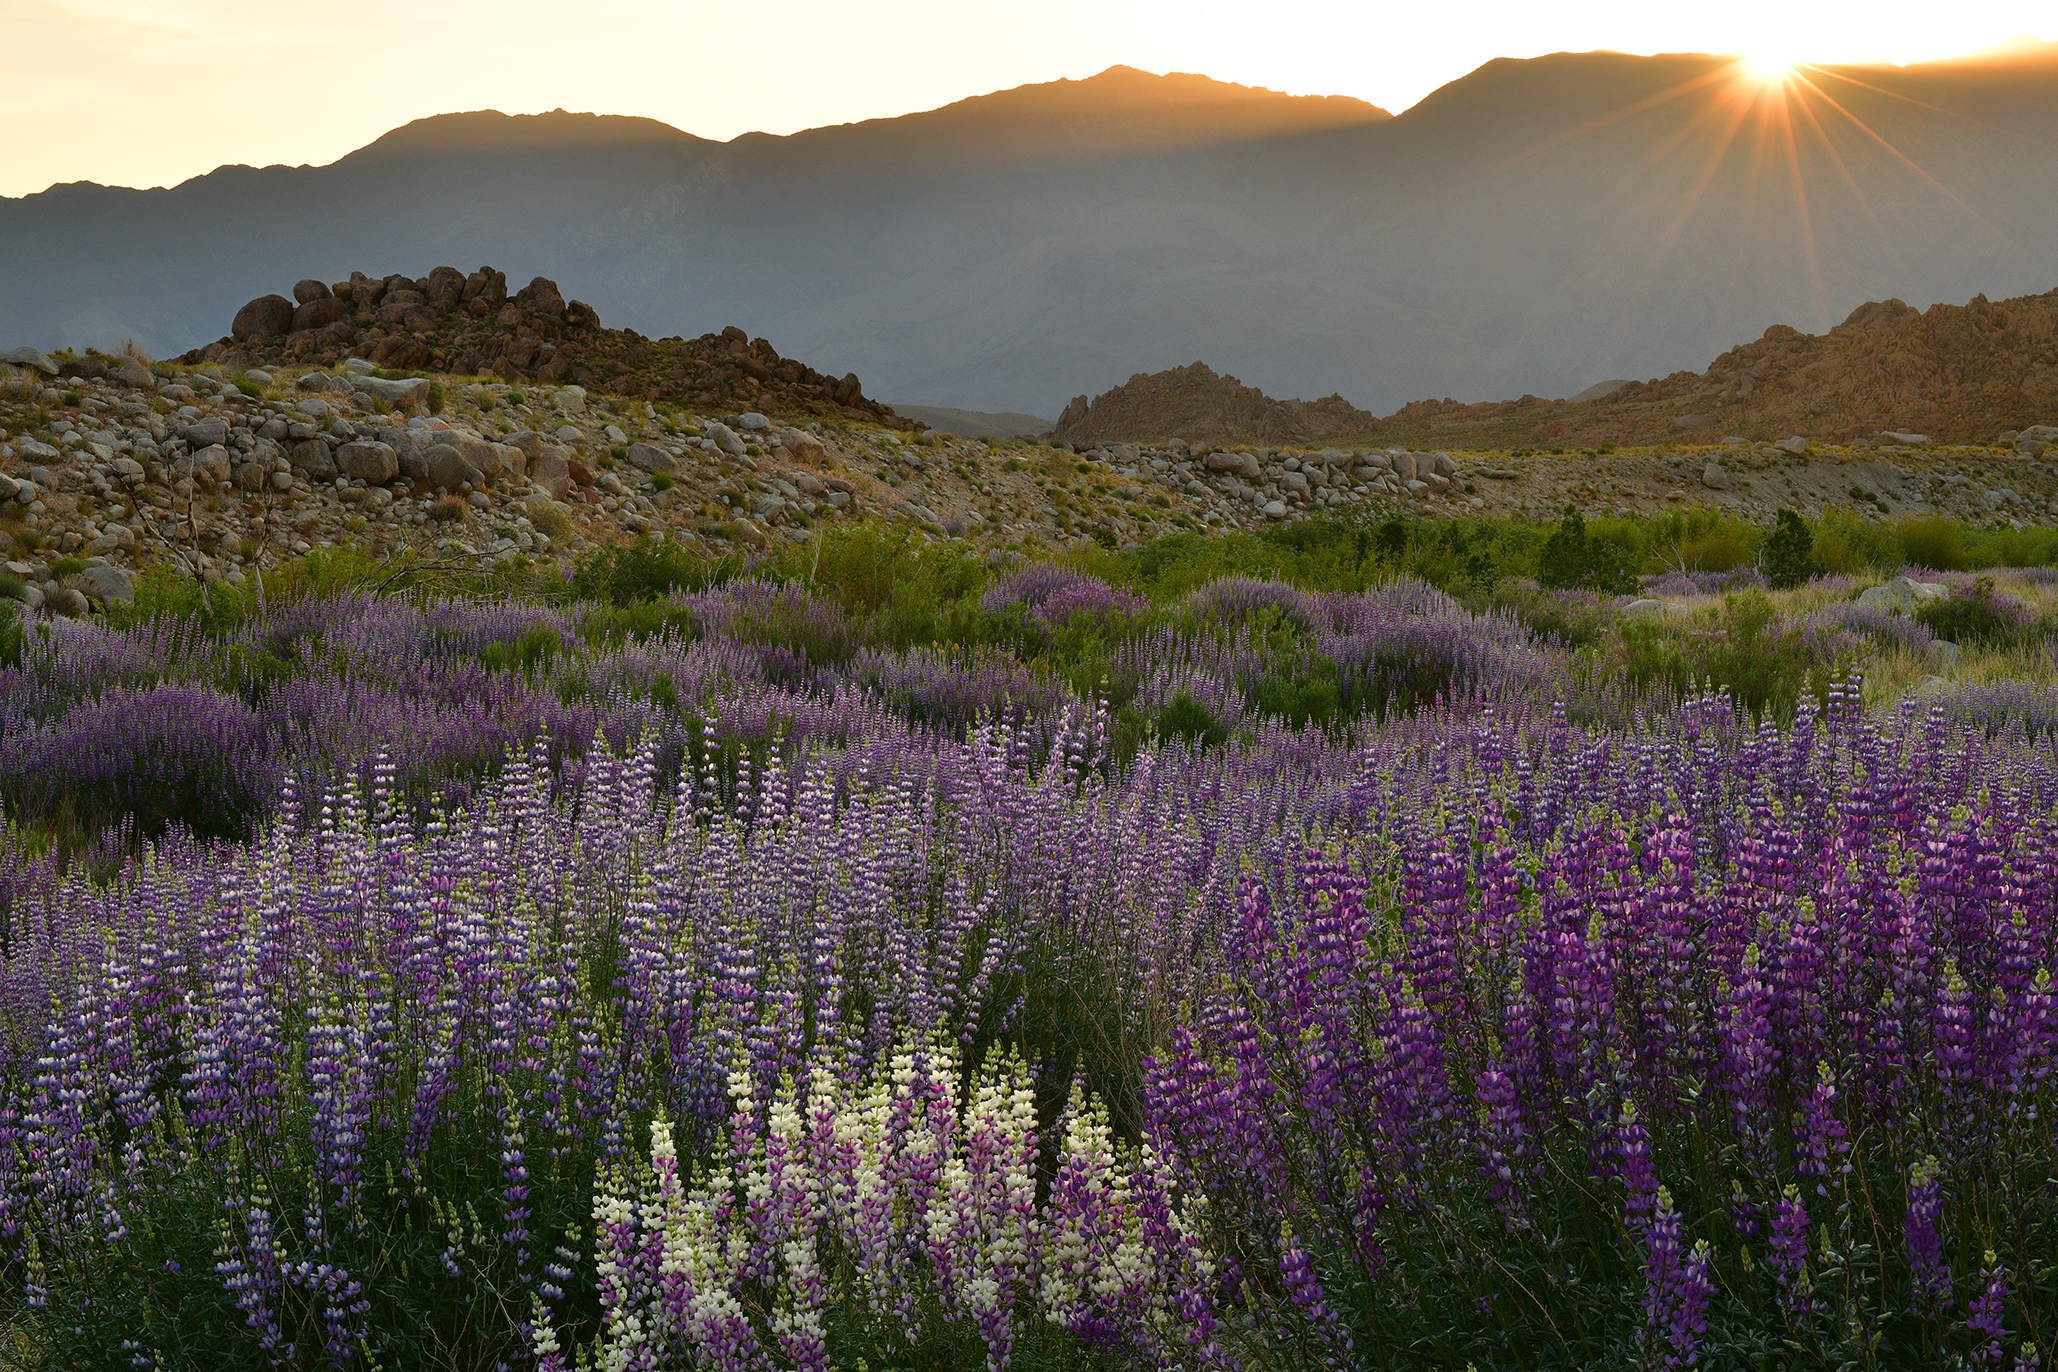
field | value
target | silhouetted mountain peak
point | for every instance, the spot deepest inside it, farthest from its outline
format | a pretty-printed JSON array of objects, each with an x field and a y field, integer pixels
[
  {"x": 1122, "y": 111},
  {"x": 490, "y": 131}
]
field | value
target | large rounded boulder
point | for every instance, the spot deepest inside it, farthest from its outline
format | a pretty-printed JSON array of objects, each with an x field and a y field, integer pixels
[{"x": 265, "y": 317}]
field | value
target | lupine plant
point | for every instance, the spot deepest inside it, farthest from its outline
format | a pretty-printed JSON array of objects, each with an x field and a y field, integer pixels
[{"x": 736, "y": 992}]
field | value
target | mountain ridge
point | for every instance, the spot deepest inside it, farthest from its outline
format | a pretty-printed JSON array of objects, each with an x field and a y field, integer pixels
[{"x": 1521, "y": 230}]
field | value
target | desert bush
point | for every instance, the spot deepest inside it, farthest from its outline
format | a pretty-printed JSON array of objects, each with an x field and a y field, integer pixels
[
  {"x": 1571, "y": 559},
  {"x": 1789, "y": 552},
  {"x": 1977, "y": 616},
  {"x": 1935, "y": 543}
]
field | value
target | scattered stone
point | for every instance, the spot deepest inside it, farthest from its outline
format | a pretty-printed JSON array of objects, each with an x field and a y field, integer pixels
[
  {"x": 412, "y": 391},
  {"x": 725, "y": 438},
  {"x": 571, "y": 400},
  {"x": 29, "y": 357},
  {"x": 1715, "y": 477},
  {"x": 1796, "y": 445},
  {"x": 1900, "y": 438},
  {"x": 313, "y": 459},
  {"x": 205, "y": 433},
  {"x": 445, "y": 468},
  {"x": 483, "y": 456},
  {"x": 651, "y": 458},
  {"x": 70, "y": 602},
  {"x": 1902, "y": 593},
  {"x": 373, "y": 463},
  {"x": 753, "y": 421},
  {"x": 108, "y": 585}
]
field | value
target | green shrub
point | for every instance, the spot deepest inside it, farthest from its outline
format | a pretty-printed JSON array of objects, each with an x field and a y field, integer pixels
[
  {"x": 1573, "y": 561},
  {"x": 10, "y": 635},
  {"x": 1977, "y": 616},
  {"x": 436, "y": 399},
  {"x": 1789, "y": 552},
  {"x": 551, "y": 520},
  {"x": 1764, "y": 668},
  {"x": 1846, "y": 544},
  {"x": 1698, "y": 539},
  {"x": 1935, "y": 543},
  {"x": 537, "y": 645},
  {"x": 649, "y": 570},
  {"x": 1184, "y": 719}
]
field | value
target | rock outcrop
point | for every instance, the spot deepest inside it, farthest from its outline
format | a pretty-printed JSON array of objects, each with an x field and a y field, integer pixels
[
  {"x": 474, "y": 326},
  {"x": 1195, "y": 403},
  {"x": 1889, "y": 374}
]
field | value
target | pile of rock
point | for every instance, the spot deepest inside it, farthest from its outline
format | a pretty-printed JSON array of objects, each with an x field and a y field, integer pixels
[
  {"x": 471, "y": 325},
  {"x": 1277, "y": 483},
  {"x": 219, "y": 473}
]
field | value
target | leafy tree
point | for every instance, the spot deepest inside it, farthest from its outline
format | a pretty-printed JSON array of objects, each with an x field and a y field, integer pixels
[
  {"x": 1789, "y": 552},
  {"x": 1571, "y": 560},
  {"x": 1393, "y": 539}
]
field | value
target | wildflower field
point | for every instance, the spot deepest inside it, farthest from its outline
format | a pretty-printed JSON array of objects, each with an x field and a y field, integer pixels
[{"x": 1067, "y": 977}]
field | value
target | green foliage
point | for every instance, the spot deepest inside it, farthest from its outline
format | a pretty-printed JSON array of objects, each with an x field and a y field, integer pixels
[
  {"x": 1975, "y": 617},
  {"x": 1936, "y": 543},
  {"x": 1186, "y": 720},
  {"x": 1698, "y": 539},
  {"x": 537, "y": 645},
  {"x": 913, "y": 590},
  {"x": 1763, "y": 668},
  {"x": 661, "y": 481},
  {"x": 162, "y": 593},
  {"x": 1789, "y": 552},
  {"x": 1300, "y": 698},
  {"x": 1573, "y": 560},
  {"x": 436, "y": 399},
  {"x": 1847, "y": 543},
  {"x": 1575, "y": 621},
  {"x": 549, "y": 519},
  {"x": 648, "y": 570}
]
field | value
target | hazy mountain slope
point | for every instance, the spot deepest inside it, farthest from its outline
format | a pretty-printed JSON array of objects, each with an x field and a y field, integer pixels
[{"x": 1533, "y": 227}]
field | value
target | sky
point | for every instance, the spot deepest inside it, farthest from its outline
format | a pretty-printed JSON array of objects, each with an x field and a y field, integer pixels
[{"x": 151, "y": 92}]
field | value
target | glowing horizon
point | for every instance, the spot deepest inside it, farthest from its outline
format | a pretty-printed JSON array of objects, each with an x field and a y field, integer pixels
[{"x": 154, "y": 92}]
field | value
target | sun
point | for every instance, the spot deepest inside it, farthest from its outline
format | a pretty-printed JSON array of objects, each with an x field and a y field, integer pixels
[{"x": 1766, "y": 68}]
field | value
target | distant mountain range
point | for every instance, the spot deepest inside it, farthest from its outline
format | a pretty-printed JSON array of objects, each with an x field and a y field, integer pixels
[{"x": 1534, "y": 227}]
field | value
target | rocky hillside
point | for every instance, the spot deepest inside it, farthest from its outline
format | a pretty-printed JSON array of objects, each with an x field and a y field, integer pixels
[
  {"x": 109, "y": 465},
  {"x": 1956, "y": 373},
  {"x": 1196, "y": 404},
  {"x": 1952, "y": 373},
  {"x": 471, "y": 325}
]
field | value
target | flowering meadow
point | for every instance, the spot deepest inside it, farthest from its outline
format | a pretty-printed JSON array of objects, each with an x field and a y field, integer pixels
[{"x": 1267, "y": 979}]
